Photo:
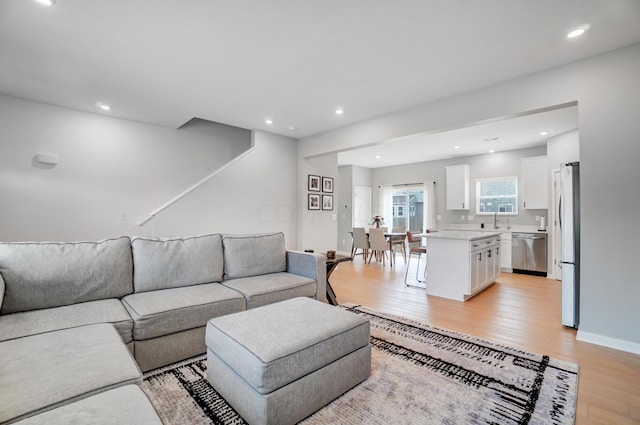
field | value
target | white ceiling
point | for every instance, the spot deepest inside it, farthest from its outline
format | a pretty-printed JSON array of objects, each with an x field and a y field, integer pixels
[
  {"x": 500, "y": 135},
  {"x": 240, "y": 61}
]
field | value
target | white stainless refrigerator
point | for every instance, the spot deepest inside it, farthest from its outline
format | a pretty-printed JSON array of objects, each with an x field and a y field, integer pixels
[{"x": 570, "y": 229}]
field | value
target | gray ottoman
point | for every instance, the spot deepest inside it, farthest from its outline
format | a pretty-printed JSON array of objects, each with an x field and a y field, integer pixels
[{"x": 279, "y": 363}]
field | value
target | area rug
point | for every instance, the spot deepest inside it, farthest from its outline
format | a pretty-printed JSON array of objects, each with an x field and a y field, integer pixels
[{"x": 419, "y": 375}]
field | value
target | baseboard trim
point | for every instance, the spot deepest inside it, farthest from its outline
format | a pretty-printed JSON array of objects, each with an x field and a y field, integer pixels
[{"x": 618, "y": 344}]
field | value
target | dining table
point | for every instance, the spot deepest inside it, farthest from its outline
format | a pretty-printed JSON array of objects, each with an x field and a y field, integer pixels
[{"x": 391, "y": 237}]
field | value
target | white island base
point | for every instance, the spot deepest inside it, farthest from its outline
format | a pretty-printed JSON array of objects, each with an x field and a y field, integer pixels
[{"x": 461, "y": 263}]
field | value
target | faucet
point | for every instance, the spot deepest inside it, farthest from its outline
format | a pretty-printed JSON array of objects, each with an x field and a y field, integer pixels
[{"x": 495, "y": 220}]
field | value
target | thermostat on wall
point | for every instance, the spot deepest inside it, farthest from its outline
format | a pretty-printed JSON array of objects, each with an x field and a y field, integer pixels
[{"x": 47, "y": 158}]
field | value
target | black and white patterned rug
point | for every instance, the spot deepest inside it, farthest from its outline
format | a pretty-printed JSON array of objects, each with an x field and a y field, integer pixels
[{"x": 419, "y": 375}]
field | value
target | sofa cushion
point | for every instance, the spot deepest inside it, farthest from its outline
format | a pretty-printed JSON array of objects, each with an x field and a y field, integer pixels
[
  {"x": 35, "y": 322},
  {"x": 124, "y": 405},
  {"x": 50, "y": 274},
  {"x": 45, "y": 371},
  {"x": 167, "y": 311},
  {"x": 271, "y": 288},
  {"x": 251, "y": 255},
  {"x": 161, "y": 263}
]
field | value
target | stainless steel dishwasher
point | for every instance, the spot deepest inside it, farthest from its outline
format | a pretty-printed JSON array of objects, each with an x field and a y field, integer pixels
[{"x": 529, "y": 253}]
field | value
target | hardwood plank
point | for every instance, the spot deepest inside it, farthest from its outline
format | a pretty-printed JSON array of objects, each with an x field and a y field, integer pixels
[{"x": 518, "y": 310}]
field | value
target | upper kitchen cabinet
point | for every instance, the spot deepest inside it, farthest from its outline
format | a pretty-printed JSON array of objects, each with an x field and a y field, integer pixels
[
  {"x": 535, "y": 176},
  {"x": 458, "y": 187}
]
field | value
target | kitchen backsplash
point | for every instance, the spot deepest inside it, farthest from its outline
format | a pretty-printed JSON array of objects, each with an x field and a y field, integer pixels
[{"x": 501, "y": 227}]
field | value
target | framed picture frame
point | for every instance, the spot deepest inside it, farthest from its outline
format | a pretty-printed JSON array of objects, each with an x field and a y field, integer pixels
[
  {"x": 313, "y": 183},
  {"x": 327, "y": 184},
  {"x": 327, "y": 202},
  {"x": 313, "y": 202}
]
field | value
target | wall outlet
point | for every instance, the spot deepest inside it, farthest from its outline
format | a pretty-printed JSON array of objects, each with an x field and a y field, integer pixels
[
  {"x": 123, "y": 216},
  {"x": 470, "y": 217},
  {"x": 461, "y": 218},
  {"x": 537, "y": 218},
  {"x": 438, "y": 217},
  {"x": 334, "y": 217}
]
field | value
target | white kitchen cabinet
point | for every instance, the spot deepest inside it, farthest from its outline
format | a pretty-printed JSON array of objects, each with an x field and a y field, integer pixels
[
  {"x": 505, "y": 252},
  {"x": 460, "y": 264},
  {"x": 493, "y": 266},
  {"x": 535, "y": 187},
  {"x": 484, "y": 262},
  {"x": 458, "y": 187},
  {"x": 478, "y": 263}
]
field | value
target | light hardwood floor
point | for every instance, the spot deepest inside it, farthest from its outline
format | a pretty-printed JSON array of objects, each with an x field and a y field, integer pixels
[{"x": 518, "y": 310}]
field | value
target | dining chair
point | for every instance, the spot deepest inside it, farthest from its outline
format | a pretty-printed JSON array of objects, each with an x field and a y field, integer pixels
[
  {"x": 360, "y": 241},
  {"x": 398, "y": 242},
  {"x": 418, "y": 249},
  {"x": 378, "y": 243}
]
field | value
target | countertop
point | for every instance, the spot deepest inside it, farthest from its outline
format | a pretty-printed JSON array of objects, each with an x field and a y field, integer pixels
[
  {"x": 516, "y": 228},
  {"x": 468, "y": 235}
]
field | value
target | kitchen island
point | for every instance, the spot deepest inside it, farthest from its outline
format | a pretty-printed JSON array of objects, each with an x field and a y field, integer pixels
[{"x": 461, "y": 263}]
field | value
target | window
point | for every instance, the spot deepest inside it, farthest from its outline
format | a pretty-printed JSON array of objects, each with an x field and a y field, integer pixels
[
  {"x": 398, "y": 211},
  {"x": 408, "y": 205},
  {"x": 497, "y": 195}
]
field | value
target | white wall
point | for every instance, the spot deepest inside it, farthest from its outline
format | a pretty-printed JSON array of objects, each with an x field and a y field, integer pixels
[
  {"x": 608, "y": 95},
  {"x": 318, "y": 229},
  {"x": 344, "y": 208},
  {"x": 254, "y": 195},
  {"x": 107, "y": 167},
  {"x": 563, "y": 148},
  {"x": 499, "y": 164}
]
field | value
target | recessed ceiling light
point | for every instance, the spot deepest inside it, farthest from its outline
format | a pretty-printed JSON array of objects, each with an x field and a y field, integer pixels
[
  {"x": 492, "y": 150},
  {"x": 292, "y": 127},
  {"x": 577, "y": 32},
  {"x": 377, "y": 156},
  {"x": 103, "y": 106},
  {"x": 339, "y": 110},
  {"x": 46, "y": 2},
  {"x": 268, "y": 121},
  {"x": 456, "y": 147},
  {"x": 544, "y": 133}
]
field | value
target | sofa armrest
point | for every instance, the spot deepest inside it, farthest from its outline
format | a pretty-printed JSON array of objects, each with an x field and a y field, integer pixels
[{"x": 311, "y": 265}]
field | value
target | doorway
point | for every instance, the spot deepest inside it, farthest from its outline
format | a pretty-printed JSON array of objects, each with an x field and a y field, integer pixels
[{"x": 362, "y": 206}]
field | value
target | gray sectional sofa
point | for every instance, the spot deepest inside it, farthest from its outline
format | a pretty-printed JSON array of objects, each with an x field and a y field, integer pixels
[{"x": 158, "y": 293}]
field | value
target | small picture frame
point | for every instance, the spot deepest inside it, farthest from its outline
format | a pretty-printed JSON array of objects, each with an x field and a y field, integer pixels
[
  {"x": 327, "y": 202},
  {"x": 313, "y": 202},
  {"x": 313, "y": 183},
  {"x": 327, "y": 184}
]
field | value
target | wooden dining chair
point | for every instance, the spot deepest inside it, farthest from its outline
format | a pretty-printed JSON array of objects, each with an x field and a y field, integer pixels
[
  {"x": 378, "y": 243},
  {"x": 399, "y": 242},
  {"x": 415, "y": 247},
  {"x": 360, "y": 242}
]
